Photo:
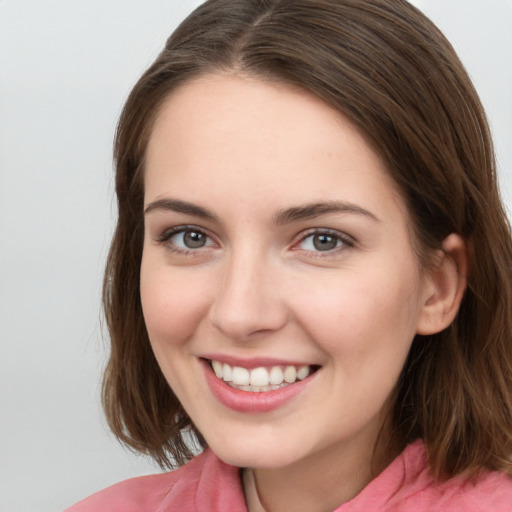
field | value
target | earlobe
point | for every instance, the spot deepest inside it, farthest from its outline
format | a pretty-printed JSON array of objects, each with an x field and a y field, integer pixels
[{"x": 444, "y": 287}]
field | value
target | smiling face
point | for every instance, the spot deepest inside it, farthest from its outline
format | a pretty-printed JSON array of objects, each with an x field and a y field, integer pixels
[{"x": 275, "y": 243}]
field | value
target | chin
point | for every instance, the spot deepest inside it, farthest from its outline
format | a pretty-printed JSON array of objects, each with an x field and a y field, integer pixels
[{"x": 255, "y": 454}]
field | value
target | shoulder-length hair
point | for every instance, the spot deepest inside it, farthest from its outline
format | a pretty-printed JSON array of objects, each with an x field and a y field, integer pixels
[{"x": 390, "y": 71}]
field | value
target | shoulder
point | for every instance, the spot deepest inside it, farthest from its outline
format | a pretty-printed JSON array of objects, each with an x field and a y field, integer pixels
[
  {"x": 406, "y": 484},
  {"x": 191, "y": 488},
  {"x": 133, "y": 495},
  {"x": 490, "y": 491}
]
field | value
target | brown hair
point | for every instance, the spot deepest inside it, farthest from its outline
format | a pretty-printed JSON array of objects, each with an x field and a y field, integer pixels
[{"x": 388, "y": 69}]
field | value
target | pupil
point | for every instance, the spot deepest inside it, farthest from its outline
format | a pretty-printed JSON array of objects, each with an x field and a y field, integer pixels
[
  {"x": 324, "y": 242},
  {"x": 193, "y": 239}
]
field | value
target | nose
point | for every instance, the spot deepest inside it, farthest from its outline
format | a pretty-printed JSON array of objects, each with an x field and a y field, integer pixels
[{"x": 249, "y": 299}]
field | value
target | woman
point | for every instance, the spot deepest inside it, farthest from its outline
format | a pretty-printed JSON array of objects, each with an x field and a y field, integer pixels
[{"x": 310, "y": 275}]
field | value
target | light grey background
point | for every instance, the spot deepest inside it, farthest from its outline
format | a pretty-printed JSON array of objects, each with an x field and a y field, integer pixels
[{"x": 66, "y": 67}]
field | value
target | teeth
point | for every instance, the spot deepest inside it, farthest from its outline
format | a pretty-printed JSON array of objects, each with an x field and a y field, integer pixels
[
  {"x": 227, "y": 373},
  {"x": 275, "y": 376},
  {"x": 240, "y": 376},
  {"x": 302, "y": 372},
  {"x": 290, "y": 374},
  {"x": 259, "y": 379},
  {"x": 217, "y": 368}
]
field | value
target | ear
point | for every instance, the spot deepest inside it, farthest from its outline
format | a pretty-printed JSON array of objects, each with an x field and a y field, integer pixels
[{"x": 445, "y": 284}]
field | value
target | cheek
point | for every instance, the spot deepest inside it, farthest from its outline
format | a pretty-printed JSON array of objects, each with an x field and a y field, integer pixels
[
  {"x": 173, "y": 303},
  {"x": 362, "y": 314}
]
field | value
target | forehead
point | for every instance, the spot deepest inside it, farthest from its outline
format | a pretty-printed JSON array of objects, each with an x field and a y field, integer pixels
[{"x": 267, "y": 140}]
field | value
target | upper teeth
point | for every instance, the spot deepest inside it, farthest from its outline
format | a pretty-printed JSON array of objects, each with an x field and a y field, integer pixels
[{"x": 260, "y": 377}]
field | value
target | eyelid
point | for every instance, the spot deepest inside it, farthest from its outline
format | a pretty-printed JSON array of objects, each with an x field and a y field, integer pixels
[
  {"x": 167, "y": 234},
  {"x": 346, "y": 240}
]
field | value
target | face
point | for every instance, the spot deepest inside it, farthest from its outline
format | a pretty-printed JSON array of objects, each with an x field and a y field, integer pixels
[{"x": 279, "y": 286}]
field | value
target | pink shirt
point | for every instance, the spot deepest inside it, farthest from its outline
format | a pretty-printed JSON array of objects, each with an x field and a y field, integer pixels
[{"x": 207, "y": 484}]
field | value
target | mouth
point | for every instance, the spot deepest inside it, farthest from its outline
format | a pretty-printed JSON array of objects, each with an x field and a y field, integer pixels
[
  {"x": 262, "y": 378},
  {"x": 258, "y": 386}
]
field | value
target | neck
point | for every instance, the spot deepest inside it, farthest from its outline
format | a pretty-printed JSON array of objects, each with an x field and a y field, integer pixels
[{"x": 321, "y": 482}]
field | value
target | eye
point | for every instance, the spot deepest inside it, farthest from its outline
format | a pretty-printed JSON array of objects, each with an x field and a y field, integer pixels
[
  {"x": 190, "y": 239},
  {"x": 324, "y": 241},
  {"x": 183, "y": 239}
]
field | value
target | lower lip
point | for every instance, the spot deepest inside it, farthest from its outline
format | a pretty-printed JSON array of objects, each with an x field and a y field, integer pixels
[{"x": 248, "y": 401}]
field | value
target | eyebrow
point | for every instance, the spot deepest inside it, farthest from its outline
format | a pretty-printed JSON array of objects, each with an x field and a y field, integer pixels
[
  {"x": 312, "y": 210},
  {"x": 284, "y": 216},
  {"x": 175, "y": 205}
]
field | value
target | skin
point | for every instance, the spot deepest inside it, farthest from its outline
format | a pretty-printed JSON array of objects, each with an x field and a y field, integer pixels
[{"x": 244, "y": 150}]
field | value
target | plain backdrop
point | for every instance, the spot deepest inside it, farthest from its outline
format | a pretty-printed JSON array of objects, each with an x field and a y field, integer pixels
[{"x": 66, "y": 67}]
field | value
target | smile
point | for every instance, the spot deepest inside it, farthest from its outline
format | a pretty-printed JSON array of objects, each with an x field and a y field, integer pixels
[
  {"x": 261, "y": 388},
  {"x": 260, "y": 379}
]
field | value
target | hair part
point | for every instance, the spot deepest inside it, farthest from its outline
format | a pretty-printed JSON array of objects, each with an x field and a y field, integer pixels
[{"x": 390, "y": 71}]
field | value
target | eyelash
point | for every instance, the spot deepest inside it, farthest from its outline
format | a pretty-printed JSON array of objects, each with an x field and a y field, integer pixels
[
  {"x": 166, "y": 236},
  {"x": 343, "y": 241}
]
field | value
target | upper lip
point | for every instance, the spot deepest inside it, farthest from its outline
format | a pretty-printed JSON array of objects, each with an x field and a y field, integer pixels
[{"x": 254, "y": 362}]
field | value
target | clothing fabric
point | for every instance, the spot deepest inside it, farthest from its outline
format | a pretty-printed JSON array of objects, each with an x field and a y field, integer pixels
[{"x": 206, "y": 484}]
